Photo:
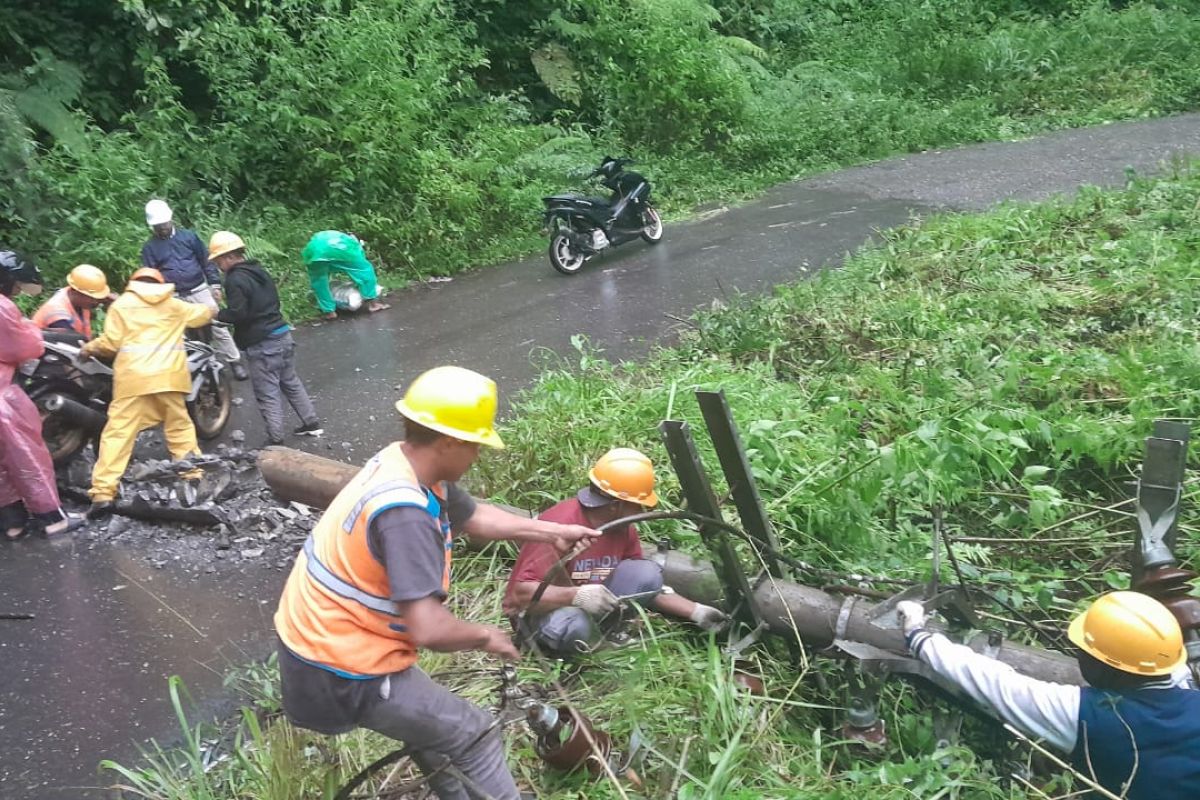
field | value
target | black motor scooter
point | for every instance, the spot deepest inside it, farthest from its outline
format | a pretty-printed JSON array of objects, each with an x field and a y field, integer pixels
[
  {"x": 581, "y": 227},
  {"x": 73, "y": 392}
]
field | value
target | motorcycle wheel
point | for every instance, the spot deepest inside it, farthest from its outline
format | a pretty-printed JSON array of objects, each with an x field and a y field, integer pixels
[
  {"x": 63, "y": 439},
  {"x": 211, "y": 409},
  {"x": 653, "y": 230},
  {"x": 563, "y": 255}
]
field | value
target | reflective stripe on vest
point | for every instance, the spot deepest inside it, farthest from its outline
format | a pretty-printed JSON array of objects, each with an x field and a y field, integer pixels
[
  {"x": 335, "y": 610},
  {"x": 321, "y": 574},
  {"x": 412, "y": 495}
]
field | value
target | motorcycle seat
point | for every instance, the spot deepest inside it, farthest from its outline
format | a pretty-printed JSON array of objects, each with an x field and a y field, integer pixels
[
  {"x": 64, "y": 337},
  {"x": 578, "y": 199}
]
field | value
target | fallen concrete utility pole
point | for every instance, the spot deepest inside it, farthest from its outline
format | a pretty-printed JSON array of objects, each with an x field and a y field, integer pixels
[
  {"x": 302, "y": 477},
  {"x": 313, "y": 480},
  {"x": 819, "y": 618}
]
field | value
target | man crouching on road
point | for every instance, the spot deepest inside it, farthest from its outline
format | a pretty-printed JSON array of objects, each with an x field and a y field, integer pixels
[
  {"x": 612, "y": 567},
  {"x": 368, "y": 591}
]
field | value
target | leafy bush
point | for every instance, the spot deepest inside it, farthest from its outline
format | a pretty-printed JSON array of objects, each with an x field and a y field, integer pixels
[{"x": 433, "y": 129}]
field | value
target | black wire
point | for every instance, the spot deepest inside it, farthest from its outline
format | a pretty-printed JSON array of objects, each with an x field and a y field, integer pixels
[{"x": 1051, "y": 638}]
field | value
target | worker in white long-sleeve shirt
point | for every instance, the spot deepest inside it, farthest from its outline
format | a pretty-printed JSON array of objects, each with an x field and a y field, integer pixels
[{"x": 1135, "y": 729}]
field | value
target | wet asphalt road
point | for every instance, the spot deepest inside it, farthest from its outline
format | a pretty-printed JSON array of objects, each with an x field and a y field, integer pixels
[{"x": 87, "y": 679}]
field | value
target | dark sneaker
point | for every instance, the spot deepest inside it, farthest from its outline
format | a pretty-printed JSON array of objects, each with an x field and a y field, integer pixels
[
  {"x": 312, "y": 429},
  {"x": 102, "y": 510}
]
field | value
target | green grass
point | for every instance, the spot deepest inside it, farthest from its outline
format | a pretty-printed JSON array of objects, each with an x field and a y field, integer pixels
[{"x": 1004, "y": 366}]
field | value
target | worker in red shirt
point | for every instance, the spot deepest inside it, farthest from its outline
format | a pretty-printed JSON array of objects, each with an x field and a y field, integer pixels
[{"x": 578, "y": 599}]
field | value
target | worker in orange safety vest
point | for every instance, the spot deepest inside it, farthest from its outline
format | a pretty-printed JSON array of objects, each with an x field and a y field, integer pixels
[
  {"x": 368, "y": 592},
  {"x": 70, "y": 308}
]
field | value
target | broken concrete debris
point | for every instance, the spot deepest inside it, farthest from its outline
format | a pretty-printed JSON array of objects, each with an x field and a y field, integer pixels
[{"x": 194, "y": 513}]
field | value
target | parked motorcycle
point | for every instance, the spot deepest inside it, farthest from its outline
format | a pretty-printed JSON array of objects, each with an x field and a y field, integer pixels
[
  {"x": 73, "y": 393},
  {"x": 581, "y": 227}
]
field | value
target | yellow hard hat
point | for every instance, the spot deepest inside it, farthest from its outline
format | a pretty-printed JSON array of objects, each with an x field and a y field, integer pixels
[
  {"x": 1131, "y": 632},
  {"x": 89, "y": 280},
  {"x": 626, "y": 474},
  {"x": 454, "y": 401},
  {"x": 223, "y": 242}
]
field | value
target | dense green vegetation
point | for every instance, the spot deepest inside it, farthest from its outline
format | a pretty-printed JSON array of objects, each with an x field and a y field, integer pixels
[
  {"x": 432, "y": 128},
  {"x": 1004, "y": 366}
]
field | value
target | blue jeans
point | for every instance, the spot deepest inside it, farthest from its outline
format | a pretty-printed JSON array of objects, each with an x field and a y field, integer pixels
[{"x": 562, "y": 629}]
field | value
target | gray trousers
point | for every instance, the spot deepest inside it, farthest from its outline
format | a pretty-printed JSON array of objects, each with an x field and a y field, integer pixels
[
  {"x": 273, "y": 376},
  {"x": 563, "y": 629},
  {"x": 222, "y": 338},
  {"x": 413, "y": 708}
]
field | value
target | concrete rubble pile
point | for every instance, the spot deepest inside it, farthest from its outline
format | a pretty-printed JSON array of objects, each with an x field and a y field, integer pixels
[{"x": 225, "y": 518}]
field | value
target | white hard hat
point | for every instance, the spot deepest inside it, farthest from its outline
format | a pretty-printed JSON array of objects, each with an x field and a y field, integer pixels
[{"x": 157, "y": 212}]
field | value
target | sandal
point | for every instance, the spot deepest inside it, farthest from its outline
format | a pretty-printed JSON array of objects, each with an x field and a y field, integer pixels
[{"x": 13, "y": 520}]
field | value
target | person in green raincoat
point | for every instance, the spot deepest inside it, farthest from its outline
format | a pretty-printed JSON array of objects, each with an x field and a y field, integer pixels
[{"x": 334, "y": 251}]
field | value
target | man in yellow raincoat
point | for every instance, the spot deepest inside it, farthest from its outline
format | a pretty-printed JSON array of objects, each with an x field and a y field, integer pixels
[{"x": 144, "y": 330}]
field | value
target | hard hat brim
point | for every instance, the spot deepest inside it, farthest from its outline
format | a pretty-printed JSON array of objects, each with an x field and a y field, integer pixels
[
  {"x": 649, "y": 501},
  {"x": 99, "y": 294},
  {"x": 1075, "y": 632},
  {"x": 488, "y": 438},
  {"x": 223, "y": 251}
]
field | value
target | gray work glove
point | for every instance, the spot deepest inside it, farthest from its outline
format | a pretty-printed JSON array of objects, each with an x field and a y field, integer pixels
[
  {"x": 707, "y": 617},
  {"x": 912, "y": 615},
  {"x": 595, "y": 599}
]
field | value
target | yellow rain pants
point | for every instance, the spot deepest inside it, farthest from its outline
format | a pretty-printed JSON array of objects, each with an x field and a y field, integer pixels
[{"x": 129, "y": 416}]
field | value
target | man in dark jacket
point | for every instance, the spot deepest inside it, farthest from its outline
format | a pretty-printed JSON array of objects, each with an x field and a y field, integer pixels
[
  {"x": 179, "y": 255},
  {"x": 252, "y": 308}
]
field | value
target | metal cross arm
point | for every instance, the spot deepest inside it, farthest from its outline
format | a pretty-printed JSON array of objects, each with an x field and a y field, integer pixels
[
  {"x": 728, "y": 443},
  {"x": 700, "y": 499}
]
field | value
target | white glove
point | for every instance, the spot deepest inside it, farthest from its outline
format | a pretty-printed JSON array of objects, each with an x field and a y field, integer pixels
[
  {"x": 912, "y": 616},
  {"x": 595, "y": 599},
  {"x": 707, "y": 617}
]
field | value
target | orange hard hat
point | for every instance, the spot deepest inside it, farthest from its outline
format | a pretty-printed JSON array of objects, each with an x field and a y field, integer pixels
[
  {"x": 625, "y": 474},
  {"x": 148, "y": 273}
]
